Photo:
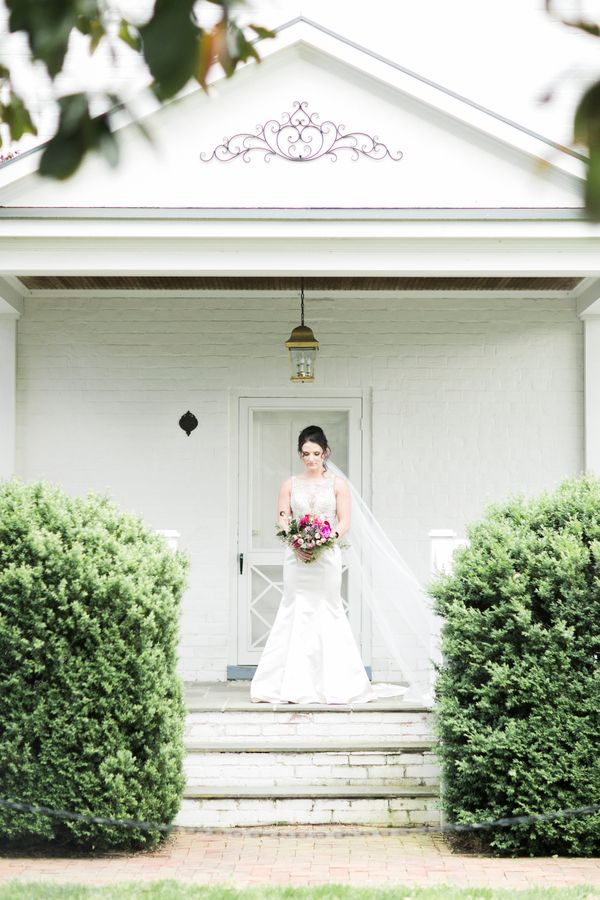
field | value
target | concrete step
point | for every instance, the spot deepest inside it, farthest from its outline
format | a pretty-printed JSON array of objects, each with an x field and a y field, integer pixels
[
  {"x": 296, "y": 791},
  {"x": 325, "y": 767},
  {"x": 230, "y": 806},
  {"x": 243, "y": 705},
  {"x": 316, "y": 724},
  {"x": 308, "y": 746}
]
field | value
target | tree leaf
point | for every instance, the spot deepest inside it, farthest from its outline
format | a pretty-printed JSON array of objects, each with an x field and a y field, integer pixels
[
  {"x": 592, "y": 185},
  {"x": 586, "y": 131},
  {"x": 129, "y": 36},
  {"x": 16, "y": 115},
  {"x": 235, "y": 48},
  {"x": 62, "y": 155},
  {"x": 170, "y": 46},
  {"x": 74, "y": 113},
  {"x": 77, "y": 134},
  {"x": 244, "y": 49},
  {"x": 97, "y": 32},
  {"x": 106, "y": 143},
  {"x": 47, "y": 25},
  {"x": 587, "y": 117},
  {"x": 262, "y": 33},
  {"x": 581, "y": 25},
  {"x": 207, "y": 54}
]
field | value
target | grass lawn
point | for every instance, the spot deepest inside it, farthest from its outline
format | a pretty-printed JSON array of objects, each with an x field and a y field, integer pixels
[{"x": 172, "y": 890}]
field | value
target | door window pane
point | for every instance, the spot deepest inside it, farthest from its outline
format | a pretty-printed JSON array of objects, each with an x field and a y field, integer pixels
[
  {"x": 267, "y": 590},
  {"x": 275, "y": 458}
]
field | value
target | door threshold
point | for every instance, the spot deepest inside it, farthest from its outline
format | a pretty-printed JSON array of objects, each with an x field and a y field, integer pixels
[{"x": 246, "y": 673}]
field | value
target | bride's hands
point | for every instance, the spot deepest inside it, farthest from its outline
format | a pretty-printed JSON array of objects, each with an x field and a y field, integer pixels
[{"x": 304, "y": 555}]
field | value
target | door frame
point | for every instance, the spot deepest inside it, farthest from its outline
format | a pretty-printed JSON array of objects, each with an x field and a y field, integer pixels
[{"x": 296, "y": 396}]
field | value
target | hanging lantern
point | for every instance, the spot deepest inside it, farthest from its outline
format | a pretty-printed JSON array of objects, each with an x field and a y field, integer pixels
[{"x": 302, "y": 346}]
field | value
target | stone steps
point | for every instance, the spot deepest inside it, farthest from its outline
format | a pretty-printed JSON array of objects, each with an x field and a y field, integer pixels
[
  {"x": 333, "y": 765},
  {"x": 306, "y": 791},
  {"x": 286, "y": 764},
  {"x": 281, "y": 806},
  {"x": 307, "y": 746},
  {"x": 310, "y": 725}
]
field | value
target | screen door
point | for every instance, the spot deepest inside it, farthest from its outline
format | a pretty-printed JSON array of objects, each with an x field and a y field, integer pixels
[{"x": 269, "y": 430}]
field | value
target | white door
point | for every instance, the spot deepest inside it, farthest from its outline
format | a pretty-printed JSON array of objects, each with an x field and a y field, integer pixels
[{"x": 269, "y": 429}]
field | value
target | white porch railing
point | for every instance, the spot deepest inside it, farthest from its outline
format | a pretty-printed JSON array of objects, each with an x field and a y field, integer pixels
[
  {"x": 171, "y": 537},
  {"x": 443, "y": 543}
]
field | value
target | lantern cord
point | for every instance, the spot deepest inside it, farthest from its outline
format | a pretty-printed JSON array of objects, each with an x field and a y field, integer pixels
[{"x": 302, "y": 301}]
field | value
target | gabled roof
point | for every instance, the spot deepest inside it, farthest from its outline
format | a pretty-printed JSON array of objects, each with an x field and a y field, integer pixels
[
  {"x": 310, "y": 34},
  {"x": 420, "y": 87},
  {"x": 479, "y": 158}
]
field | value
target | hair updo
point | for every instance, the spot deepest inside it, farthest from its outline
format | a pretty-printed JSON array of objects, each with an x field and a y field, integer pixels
[{"x": 316, "y": 435}]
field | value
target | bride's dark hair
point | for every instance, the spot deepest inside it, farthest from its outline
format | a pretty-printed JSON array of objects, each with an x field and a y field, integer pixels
[{"x": 316, "y": 435}]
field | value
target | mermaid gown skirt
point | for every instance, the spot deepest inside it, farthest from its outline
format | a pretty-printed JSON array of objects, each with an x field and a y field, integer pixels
[{"x": 311, "y": 655}]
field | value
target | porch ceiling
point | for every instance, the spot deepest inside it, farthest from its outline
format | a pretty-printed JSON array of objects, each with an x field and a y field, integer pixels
[{"x": 219, "y": 283}]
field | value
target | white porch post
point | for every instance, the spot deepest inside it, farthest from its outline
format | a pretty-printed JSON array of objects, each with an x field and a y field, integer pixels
[
  {"x": 591, "y": 324},
  {"x": 8, "y": 383}
]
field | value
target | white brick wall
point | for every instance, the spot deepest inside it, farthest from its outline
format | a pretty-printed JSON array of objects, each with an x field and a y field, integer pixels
[{"x": 473, "y": 399}]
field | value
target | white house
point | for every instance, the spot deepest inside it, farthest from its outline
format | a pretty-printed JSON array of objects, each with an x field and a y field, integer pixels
[{"x": 450, "y": 277}]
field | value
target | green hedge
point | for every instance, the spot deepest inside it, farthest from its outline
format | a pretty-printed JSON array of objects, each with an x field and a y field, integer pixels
[
  {"x": 519, "y": 687},
  {"x": 91, "y": 708}
]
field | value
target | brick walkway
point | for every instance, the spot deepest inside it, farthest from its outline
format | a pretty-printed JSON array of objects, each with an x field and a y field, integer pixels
[{"x": 306, "y": 855}]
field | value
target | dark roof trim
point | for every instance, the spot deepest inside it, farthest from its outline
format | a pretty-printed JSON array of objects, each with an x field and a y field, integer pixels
[{"x": 287, "y": 283}]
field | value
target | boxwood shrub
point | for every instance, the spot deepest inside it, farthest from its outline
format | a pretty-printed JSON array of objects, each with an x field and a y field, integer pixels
[
  {"x": 518, "y": 691},
  {"x": 91, "y": 708}
]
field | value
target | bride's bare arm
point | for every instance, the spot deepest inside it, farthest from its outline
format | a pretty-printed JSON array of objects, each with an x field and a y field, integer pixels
[
  {"x": 284, "y": 513},
  {"x": 343, "y": 504},
  {"x": 284, "y": 510}
]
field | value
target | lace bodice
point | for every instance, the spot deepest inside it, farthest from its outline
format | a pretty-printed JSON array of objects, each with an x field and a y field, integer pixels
[{"x": 315, "y": 496}]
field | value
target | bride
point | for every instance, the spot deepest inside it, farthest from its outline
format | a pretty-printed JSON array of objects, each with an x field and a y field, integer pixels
[{"x": 310, "y": 655}]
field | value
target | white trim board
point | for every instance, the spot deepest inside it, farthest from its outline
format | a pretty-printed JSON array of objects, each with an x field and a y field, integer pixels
[{"x": 408, "y": 214}]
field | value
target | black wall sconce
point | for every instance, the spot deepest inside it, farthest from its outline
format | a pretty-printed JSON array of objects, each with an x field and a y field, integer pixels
[{"x": 188, "y": 422}]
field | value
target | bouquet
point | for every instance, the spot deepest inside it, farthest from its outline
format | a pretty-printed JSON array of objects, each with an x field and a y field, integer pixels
[{"x": 311, "y": 533}]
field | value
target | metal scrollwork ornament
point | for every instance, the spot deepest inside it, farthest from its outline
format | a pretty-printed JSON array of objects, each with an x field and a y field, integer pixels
[{"x": 300, "y": 137}]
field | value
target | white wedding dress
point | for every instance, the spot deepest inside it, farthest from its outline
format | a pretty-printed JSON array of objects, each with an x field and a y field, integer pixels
[{"x": 310, "y": 655}]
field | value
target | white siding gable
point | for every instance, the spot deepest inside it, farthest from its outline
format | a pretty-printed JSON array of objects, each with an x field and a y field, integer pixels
[{"x": 447, "y": 161}]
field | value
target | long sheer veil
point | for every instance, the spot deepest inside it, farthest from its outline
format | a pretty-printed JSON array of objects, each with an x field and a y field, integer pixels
[{"x": 400, "y": 608}]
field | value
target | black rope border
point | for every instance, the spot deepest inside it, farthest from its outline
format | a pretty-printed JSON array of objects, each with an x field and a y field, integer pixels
[{"x": 19, "y": 806}]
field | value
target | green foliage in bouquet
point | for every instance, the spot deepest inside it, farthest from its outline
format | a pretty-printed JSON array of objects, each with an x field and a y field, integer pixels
[
  {"x": 91, "y": 708},
  {"x": 518, "y": 691}
]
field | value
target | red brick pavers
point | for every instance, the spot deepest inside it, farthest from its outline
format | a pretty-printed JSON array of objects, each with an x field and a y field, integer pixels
[{"x": 305, "y": 855}]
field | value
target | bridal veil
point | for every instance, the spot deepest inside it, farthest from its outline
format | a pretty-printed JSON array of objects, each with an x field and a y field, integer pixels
[{"x": 400, "y": 607}]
